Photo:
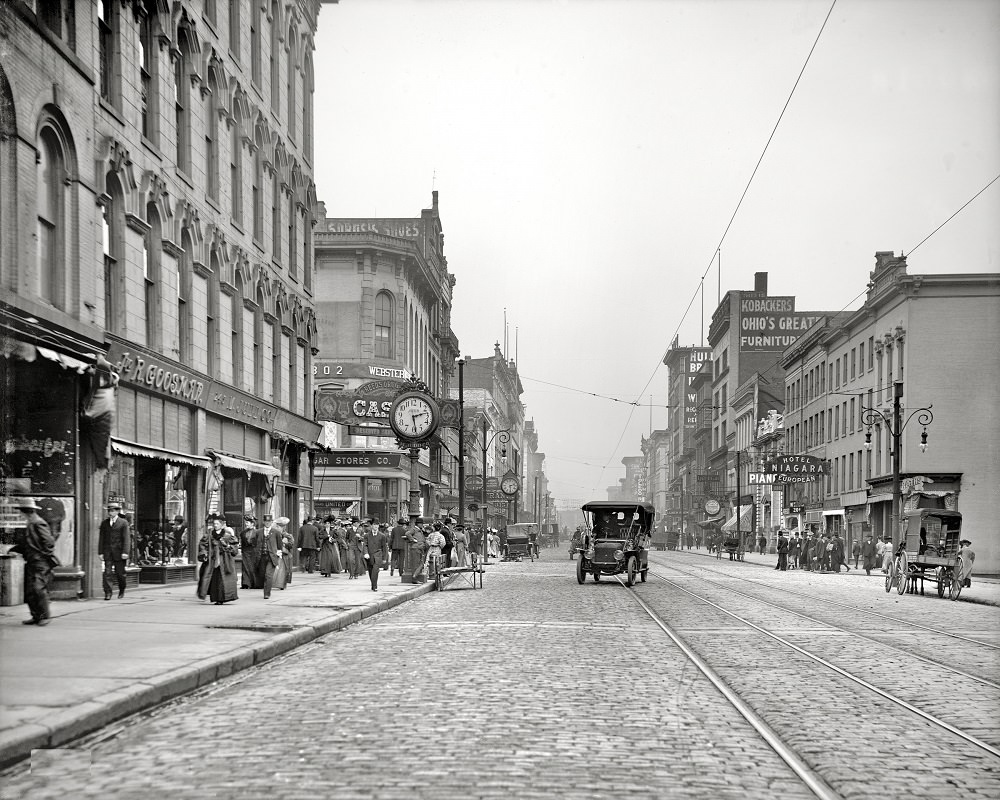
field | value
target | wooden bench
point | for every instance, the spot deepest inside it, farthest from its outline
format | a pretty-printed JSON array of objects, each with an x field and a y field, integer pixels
[{"x": 447, "y": 575}]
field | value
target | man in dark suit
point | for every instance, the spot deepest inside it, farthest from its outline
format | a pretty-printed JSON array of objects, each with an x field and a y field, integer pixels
[
  {"x": 375, "y": 544},
  {"x": 36, "y": 544},
  {"x": 268, "y": 540},
  {"x": 114, "y": 541},
  {"x": 309, "y": 544}
]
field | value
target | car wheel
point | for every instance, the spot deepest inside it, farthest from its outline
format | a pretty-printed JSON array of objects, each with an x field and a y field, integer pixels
[
  {"x": 581, "y": 576},
  {"x": 630, "y": 579}
]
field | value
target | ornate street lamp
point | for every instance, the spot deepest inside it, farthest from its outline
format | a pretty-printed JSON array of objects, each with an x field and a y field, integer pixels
[{"x": 895, "y": 426}]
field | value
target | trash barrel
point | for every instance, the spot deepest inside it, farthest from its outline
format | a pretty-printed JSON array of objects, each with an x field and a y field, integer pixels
[{"x": 11, "y": 580}]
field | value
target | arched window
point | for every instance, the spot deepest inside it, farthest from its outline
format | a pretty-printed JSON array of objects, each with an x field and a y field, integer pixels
[
  {"x": 260, "y": 345},
  {"x": 255, "y": 42},
  {"x": 212, "y": 338},
  {"x": 383, "y": 325},
  {"x": 182, "y": 104},
  {"x": 306, "y": 250},
  {"x": 113, "y": 236},
  {"x": 107, "y": 48},
  {"x": 152, "y": 251},
  {"x": 184, "y": 321},
  {"x": 51, "y": 272},
  {"x": 276, "y": 217},
  {"x": 290, "y": 87},
  {"x": 149, "y": 97},
  {"x": 212, "y": 137},
  {"x": 236, "y": 165},
  {"x": 234, "y": 27},
  {"x": 293, "y": 248},
  {"x": 237, "y": 333},
  {"x": 258, "y": 187},
  {"x": 275, "y": 60},
  {"x": 307, "y": 108}
]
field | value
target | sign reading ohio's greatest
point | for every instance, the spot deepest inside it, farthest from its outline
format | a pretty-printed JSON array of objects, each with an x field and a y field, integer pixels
[{"x": 771, "y": 323}]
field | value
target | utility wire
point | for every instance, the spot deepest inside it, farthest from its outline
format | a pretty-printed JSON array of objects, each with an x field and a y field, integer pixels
[
  {"x": 939, "y": 227},
  {"x": 728, "y": 226}
]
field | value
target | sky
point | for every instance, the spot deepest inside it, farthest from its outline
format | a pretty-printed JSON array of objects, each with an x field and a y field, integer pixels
[{"x": 593, "y": 159}]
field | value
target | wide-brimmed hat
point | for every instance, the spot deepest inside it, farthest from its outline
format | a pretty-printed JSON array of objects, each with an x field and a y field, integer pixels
[
  {"x": 178, "y": 518},
  {"x": 214, "y": 516},
  {"x": 965, "y": 541},
  {"x": 28, "y": 503}
]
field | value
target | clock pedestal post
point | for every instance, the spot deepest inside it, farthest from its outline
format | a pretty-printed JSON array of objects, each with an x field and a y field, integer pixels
[{"x": 414, "y": 504}]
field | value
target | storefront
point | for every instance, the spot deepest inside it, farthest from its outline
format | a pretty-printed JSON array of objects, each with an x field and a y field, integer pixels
[
  {"x": 363, "y": 483},
  {"x": 54, "y": 436},
  {"x": 186, "y": 445}
]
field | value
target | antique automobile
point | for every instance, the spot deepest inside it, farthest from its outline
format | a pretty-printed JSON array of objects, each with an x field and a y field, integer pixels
[
  {"x": 521, "y": 541},
  {"x": 617, "y": 540}
]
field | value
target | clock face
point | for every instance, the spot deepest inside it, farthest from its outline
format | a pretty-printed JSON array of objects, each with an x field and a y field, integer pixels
[
  {"x": 509, "y": 486},
  {"x": 712, "y": 507},
  {"x": 413, "y": 416}
]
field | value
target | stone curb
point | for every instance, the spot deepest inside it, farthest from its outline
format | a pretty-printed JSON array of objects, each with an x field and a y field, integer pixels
[{"x": 65, "y": 725}]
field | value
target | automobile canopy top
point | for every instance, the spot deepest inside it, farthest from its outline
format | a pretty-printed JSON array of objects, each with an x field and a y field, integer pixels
[{"x": 613, "y": 518}]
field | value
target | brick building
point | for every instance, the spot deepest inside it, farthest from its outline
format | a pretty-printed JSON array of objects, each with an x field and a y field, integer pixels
[{"x": 155, "y": 196}]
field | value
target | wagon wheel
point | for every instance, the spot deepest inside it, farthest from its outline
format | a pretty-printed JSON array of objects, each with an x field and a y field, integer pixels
[
  {"x": 904, "y": 573},
  {"x": 956, "y": 579},
  {"x": 943, "y": 580},
  {"x": 631, "y": 571},
  {"x": 581, "y": 576},
  {"x": 889, "y": 578}
]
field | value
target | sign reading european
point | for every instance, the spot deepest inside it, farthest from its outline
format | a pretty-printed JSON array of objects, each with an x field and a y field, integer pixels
[{"x": 797, "y": 468}]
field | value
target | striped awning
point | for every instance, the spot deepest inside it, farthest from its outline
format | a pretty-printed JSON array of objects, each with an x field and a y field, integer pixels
[
  {"x": 746, "y": 520},
  {"x": 232, "y": 462},
  {"x": 141, "y": 451}
]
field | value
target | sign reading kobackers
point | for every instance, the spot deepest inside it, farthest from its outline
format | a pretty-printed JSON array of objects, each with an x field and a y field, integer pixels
[{"x": 771, "y": 323}]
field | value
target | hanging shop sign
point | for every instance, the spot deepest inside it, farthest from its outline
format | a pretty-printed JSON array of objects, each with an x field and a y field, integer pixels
[
  {"x": 473, "y": 483},
  {"x": 356, "y": 408},
  {"x": 797, "y": 468}
]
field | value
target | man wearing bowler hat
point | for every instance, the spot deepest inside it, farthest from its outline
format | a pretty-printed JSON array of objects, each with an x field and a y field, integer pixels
[
  {"x": 37, "y": 546},
  {"x": 268, "y": 541},
  {"x": 114, "y": 541}
]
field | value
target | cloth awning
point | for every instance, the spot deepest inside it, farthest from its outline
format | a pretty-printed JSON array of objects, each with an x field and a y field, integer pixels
[
  {"x": 133, "y": 449},
  {"x": 879, "y": 498},
  {"x": 746, "y": 520},
  {"x": 833, "y": 512},
  {"x": 232, "y": 462}
]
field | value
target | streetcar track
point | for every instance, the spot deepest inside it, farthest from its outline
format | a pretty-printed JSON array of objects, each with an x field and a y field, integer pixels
[
  {"x": 835, "y": 627},
  {"x": 896, "y": 620},
  {"x": 819, "y": 660},
  {"x": 809, "y": 776}
]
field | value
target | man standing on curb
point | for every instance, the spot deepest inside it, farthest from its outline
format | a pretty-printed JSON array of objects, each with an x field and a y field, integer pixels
[
  {"x": 114, "y": 541},
  {"x": 309, "y": 545},
  {"x": 268, "y": 554},
  {"x": 397, "y": 543},
  {"x": 375, "y": 548},
  {"x": 37, "y": 547}
]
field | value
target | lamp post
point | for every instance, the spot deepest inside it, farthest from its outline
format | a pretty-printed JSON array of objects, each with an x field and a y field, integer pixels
[
  {"x": 461, "y": 441},
  {"x": 872, "y": 416},
  {"x": 502, "y": 436}
]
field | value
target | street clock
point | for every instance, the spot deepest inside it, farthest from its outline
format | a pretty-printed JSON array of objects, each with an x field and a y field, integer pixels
[
  {"x": 509, "y": 485},
  {"x": 414, "y": 416}
]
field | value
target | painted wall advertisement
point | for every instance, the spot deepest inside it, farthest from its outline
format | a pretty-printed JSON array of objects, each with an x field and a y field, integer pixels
[
  {"x": 771, "y": 323},
  {"x": 691, "y": 366}
]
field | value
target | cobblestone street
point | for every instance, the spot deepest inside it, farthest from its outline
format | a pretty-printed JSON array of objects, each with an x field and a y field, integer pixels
[{"x": 535, "y": 687}]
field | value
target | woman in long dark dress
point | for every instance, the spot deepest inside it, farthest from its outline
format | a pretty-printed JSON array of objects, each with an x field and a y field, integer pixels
[
  {"x": 329, "y": 553},
  {"x": 217, "y": 553}
]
